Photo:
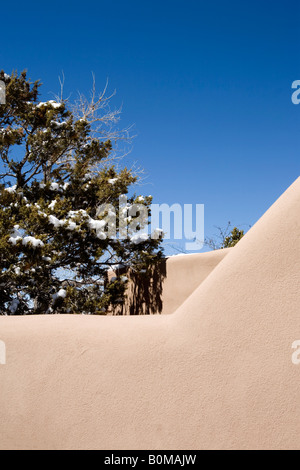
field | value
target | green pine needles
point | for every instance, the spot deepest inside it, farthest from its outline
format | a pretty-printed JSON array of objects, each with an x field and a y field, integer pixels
[{"x": 55, "y": 251}]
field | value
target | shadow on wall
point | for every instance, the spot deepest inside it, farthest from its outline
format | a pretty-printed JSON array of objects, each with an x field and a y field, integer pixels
[{"x": 144, "y": 294}]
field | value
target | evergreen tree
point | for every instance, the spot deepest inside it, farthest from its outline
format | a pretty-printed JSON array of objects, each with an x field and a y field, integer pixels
[
  {"x": 226, "y": 238},
  {"x": 55, "y": 244},
  {"x": 233, "y": 238}
]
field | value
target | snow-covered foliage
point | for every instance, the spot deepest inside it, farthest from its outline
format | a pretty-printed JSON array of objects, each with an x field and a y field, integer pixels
[{"x": 54, "y": 245}]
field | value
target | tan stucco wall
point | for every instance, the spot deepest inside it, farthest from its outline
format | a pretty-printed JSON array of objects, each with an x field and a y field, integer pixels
[
  {"x": 184, "y": 274},
  {"x": 168, "y": 285},
  {"x": 215, "y": 374}
]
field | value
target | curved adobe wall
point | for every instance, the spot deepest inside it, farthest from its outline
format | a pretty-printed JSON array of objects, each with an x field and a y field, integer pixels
[
  {"x": 172, "y": 281},
  {"x": 216, "y": 374},
  {"x": 185, "y": 273}
]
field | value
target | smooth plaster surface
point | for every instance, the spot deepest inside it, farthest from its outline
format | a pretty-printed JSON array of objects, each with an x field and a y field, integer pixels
[
  {"x": 171, "y": 283},
  {"x": 217, "y": 374}
]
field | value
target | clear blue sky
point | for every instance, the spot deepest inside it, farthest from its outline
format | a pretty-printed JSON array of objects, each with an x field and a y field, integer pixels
[{"x": 207, "y": 85}]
